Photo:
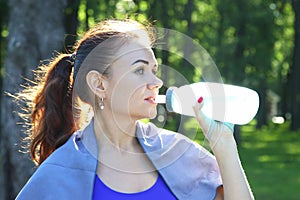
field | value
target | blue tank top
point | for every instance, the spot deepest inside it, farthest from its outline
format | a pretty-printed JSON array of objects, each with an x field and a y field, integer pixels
[{"x": 158, "y": 191}]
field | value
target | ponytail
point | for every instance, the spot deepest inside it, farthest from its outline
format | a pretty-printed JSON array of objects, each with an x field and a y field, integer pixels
[{"x": 50, "y": 104}]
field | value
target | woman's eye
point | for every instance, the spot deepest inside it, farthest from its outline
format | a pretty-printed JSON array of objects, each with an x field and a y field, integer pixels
[{"x": 139, "y": 71}]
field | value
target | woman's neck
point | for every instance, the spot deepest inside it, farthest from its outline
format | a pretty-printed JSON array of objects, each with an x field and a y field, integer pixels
[
  {"x": 118, "y": 146},
  {"x": 122, "y": 158},
  {"x": 119, "y": 133}
]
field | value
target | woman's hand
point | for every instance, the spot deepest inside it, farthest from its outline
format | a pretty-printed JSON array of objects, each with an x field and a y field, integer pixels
[{"x": 213, "y": 130}]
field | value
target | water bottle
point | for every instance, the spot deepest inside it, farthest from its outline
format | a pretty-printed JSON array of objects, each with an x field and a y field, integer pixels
[{"x": 222, "y": 102}]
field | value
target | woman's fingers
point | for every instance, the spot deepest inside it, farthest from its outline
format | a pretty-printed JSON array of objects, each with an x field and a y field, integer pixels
[
  {"x": 212, "y": 129},
  {"x": 206, "y": 124}
]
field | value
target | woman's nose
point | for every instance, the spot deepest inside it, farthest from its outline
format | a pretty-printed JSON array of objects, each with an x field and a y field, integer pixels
[{"x": 156, "y": 83}]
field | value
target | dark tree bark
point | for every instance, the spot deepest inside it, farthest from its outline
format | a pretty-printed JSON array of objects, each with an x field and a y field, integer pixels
[
  {"x": 239, "y": 72},
  {"x": 262, "y": 112},
  {"x": 36, "y": 29},
  {"x": 3, "y": 25},
  {"x": 71, "y": 23},
  {"x": 295, "y": 70}
]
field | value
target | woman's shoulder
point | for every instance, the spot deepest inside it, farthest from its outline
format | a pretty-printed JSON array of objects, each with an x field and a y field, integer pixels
[
  {"x": 52, "y": 181},
  {"x": 61, "y": 170}
]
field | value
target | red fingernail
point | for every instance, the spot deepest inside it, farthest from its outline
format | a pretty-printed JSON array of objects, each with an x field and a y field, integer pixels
[{"x": 200, "y": 99}]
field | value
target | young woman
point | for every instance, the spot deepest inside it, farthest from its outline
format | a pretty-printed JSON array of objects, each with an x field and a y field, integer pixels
[{"x": 116, "y": 156}]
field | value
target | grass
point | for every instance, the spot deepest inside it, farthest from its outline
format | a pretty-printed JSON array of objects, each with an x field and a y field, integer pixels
[{"x": 271, "y": 159}]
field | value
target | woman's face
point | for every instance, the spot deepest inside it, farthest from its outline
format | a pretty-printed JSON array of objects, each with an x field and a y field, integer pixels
[{"x": 133, "y": 85}]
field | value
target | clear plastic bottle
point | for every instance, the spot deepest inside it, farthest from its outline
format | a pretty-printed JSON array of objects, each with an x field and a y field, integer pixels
[{"x": 222, "y": 102}]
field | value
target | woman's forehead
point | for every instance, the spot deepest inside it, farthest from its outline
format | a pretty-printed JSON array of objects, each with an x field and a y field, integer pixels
[{"x": 134, "y": 51}]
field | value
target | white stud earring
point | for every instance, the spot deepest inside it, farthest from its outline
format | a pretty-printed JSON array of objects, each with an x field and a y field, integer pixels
[{"x": 101, "y": 104}]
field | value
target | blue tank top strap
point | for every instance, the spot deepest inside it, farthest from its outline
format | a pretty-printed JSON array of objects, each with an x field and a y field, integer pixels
[{"x": 158, "y": 191}]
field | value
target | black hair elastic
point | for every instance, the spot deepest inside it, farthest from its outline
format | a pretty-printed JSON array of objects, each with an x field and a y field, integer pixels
[{"x": 73, "y": 58}]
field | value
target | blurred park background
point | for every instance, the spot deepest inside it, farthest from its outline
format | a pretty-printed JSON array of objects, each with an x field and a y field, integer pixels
[{"x": 254, "y": 43}]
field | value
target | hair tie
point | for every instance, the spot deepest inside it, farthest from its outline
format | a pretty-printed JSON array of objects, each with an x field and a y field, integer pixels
[{"x": 72, "y": 58}]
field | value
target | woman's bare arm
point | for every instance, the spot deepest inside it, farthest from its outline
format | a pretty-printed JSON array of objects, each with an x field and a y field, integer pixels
[{"x": 223, "y": 145}]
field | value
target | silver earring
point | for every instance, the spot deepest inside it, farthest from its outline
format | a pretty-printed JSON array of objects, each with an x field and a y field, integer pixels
[{"x": 101, "y": 104}]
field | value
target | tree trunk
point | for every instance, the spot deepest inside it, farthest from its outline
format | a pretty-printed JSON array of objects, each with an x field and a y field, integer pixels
[
  {"x": 238, "y": 74},
  {"x": 3, "y": 24},
  {"x": 71, "y": 23},
  {"x": 187, "y": 48},
  {"x": 36, "y": 29},
  {"x": 295, "y": 70},
  {"x": 262, "y": 112}
]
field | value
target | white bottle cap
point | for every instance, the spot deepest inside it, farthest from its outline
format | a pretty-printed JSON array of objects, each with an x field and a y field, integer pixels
[{"x": 160, "y": 99}]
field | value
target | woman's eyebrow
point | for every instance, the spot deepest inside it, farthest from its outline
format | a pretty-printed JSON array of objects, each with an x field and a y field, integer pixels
[{"x": 143, "y": 61}]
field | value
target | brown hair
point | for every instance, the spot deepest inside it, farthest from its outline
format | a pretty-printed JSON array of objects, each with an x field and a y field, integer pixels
[{"x": 49, "y": 110}]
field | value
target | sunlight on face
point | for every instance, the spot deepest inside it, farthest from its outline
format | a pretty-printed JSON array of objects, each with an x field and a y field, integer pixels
[{"x": 133, "y": 84}]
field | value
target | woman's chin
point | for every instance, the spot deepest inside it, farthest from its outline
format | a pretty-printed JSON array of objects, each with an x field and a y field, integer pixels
[{"x": 152, "y": 114}]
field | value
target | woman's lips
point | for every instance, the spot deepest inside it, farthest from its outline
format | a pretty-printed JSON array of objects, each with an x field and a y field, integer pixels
[{"x": 151, "y": 100}]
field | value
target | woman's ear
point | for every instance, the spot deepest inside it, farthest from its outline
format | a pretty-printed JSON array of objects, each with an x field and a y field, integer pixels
[{"x": 95, "y": 82}]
